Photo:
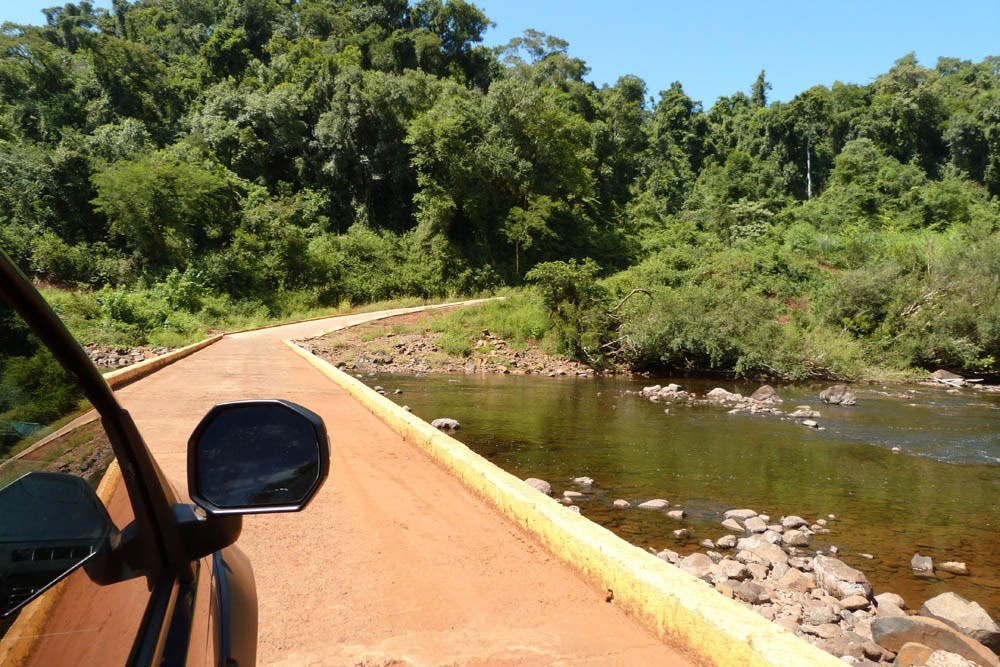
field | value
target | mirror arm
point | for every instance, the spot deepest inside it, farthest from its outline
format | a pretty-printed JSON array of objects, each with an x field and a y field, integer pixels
[
  {"x": 203, "y": 534},
  {"x": 122, "y": 558}
]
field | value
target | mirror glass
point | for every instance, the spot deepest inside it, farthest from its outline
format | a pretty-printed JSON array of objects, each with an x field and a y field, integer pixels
[
  {"x": 257, "y": 455},
  {"x": 53, "y": 523}
]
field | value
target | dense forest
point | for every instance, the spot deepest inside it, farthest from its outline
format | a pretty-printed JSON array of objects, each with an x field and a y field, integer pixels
[{"x": 169, "y": 161}]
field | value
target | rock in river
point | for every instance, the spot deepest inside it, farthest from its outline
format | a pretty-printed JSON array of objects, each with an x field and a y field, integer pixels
[
  {"x": 755, "y": 525},
  {"x": 726, "y": 542},
  {"x": 739, "y": 515},
  {"x": 733, "y": 525},
  {"x": 622, "y": 504},
  {"x": 840, "y": 579},
  {"x": 721, "y": 395},
  {"x": 539, "y": 484},
  {"x": 766, "y": 394},
  {"x": 922, "y": 564},
  {"x": 792, "y": 521},
  {"x": 655, "y": 504},
  {"x": 965, "y": 616},
  {"x": 445, "y": 424},
  {"x": 954, "y": 567},
  {"x": 838, "y": 394},
  {"x": 583, "y": 482}
]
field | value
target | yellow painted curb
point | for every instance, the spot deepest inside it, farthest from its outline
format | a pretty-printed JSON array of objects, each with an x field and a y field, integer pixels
[
  {"x": 282, "y": 324},
  {"x": 413, "y": 309},
  {"x": 683, "y": 611},
  {"x": 124, "y": 376}
]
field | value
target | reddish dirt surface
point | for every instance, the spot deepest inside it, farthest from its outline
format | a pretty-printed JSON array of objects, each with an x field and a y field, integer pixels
[{"x": 394, "y": 562}]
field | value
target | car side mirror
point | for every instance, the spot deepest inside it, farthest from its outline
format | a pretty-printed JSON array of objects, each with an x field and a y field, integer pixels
[
  {"x": 252, "y": 457},
  {"x": 52, "y": 524}
]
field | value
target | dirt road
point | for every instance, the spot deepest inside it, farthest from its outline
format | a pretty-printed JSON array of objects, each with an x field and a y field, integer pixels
[{"x": 394, "y": 562}]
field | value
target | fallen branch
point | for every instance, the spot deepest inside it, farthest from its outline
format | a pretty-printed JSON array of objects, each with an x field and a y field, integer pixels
[{"x": 637, "y": 290}]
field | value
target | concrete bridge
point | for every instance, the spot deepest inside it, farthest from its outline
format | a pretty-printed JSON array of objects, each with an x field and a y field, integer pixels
[{"x": 417, "y": 551}]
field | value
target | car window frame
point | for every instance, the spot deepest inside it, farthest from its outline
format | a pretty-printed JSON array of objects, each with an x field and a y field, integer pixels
[{"x": 159, "y": 551}]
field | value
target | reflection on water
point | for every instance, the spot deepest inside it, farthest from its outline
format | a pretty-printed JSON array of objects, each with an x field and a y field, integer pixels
[{"x": 940, "y": 497}]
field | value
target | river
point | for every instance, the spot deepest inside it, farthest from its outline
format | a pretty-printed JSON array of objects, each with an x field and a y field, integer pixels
[{"x": 940, "y": 496}]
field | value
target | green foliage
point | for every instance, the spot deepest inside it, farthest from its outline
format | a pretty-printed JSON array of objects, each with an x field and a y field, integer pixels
[
  {"x": 33, "y": 386},
  {"x": 207, "y": 162},
  {"x": 577, "y": 303},
  {"x": 165, "y": 208}
]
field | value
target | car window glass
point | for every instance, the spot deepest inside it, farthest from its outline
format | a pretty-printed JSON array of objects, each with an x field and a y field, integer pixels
[{"x": 53, "y": 452}]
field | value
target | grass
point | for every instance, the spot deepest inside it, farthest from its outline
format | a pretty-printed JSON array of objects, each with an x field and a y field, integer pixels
[
  {"x": 520, "y": 319},
  {"x": 130, "y": 318}
]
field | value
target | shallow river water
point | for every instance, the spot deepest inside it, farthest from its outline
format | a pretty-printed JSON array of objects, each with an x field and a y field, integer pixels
[{"x": 940, "y": 496}]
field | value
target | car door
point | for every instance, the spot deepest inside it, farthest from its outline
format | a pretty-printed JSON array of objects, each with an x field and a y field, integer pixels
[
  {"x": 100, "y": 564},
  {"x": 49, "y": 425}
]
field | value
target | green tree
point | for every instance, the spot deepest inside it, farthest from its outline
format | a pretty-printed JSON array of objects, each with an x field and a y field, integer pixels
[{"x": 165, "y": 208}]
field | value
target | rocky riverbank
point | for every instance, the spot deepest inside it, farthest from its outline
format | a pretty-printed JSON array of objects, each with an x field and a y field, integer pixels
[
  {"x": 120, "y": 357},
  {"x": 405, "y": 345},
  {"x": 779, "y": 568},
  {"x": 402, "y": 346}
]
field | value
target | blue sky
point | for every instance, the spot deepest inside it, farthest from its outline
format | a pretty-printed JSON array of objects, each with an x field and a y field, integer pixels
[{"x": 718, "y": 48}]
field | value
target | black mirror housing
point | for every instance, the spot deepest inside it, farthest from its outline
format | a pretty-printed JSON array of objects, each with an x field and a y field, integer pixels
[{"x": 258, "y": 456}]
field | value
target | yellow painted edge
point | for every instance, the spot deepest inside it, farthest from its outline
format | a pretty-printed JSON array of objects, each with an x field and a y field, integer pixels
[
  {"x": 282, "y": 324},
  {"x": 26, "y": 631},
  {"x": 399, "y": 312},
  {"x": 415, "y": 309},
  {"x": 680, "y": 609},
  {"x": 116, "y": 379}
]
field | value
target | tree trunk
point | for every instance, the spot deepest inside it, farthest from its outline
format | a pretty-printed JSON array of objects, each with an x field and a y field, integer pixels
[{"x": 809, "y": 178}]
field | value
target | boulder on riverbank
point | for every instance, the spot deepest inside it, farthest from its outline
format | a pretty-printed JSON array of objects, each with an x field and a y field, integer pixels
[
  {"x": 890, "y": 598},
  {"x": 892, "y": 633},
  {"x": 840, "y": 579},
  {"x": 838, "y": 394},
  {"x": 967, "y": 617}
]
